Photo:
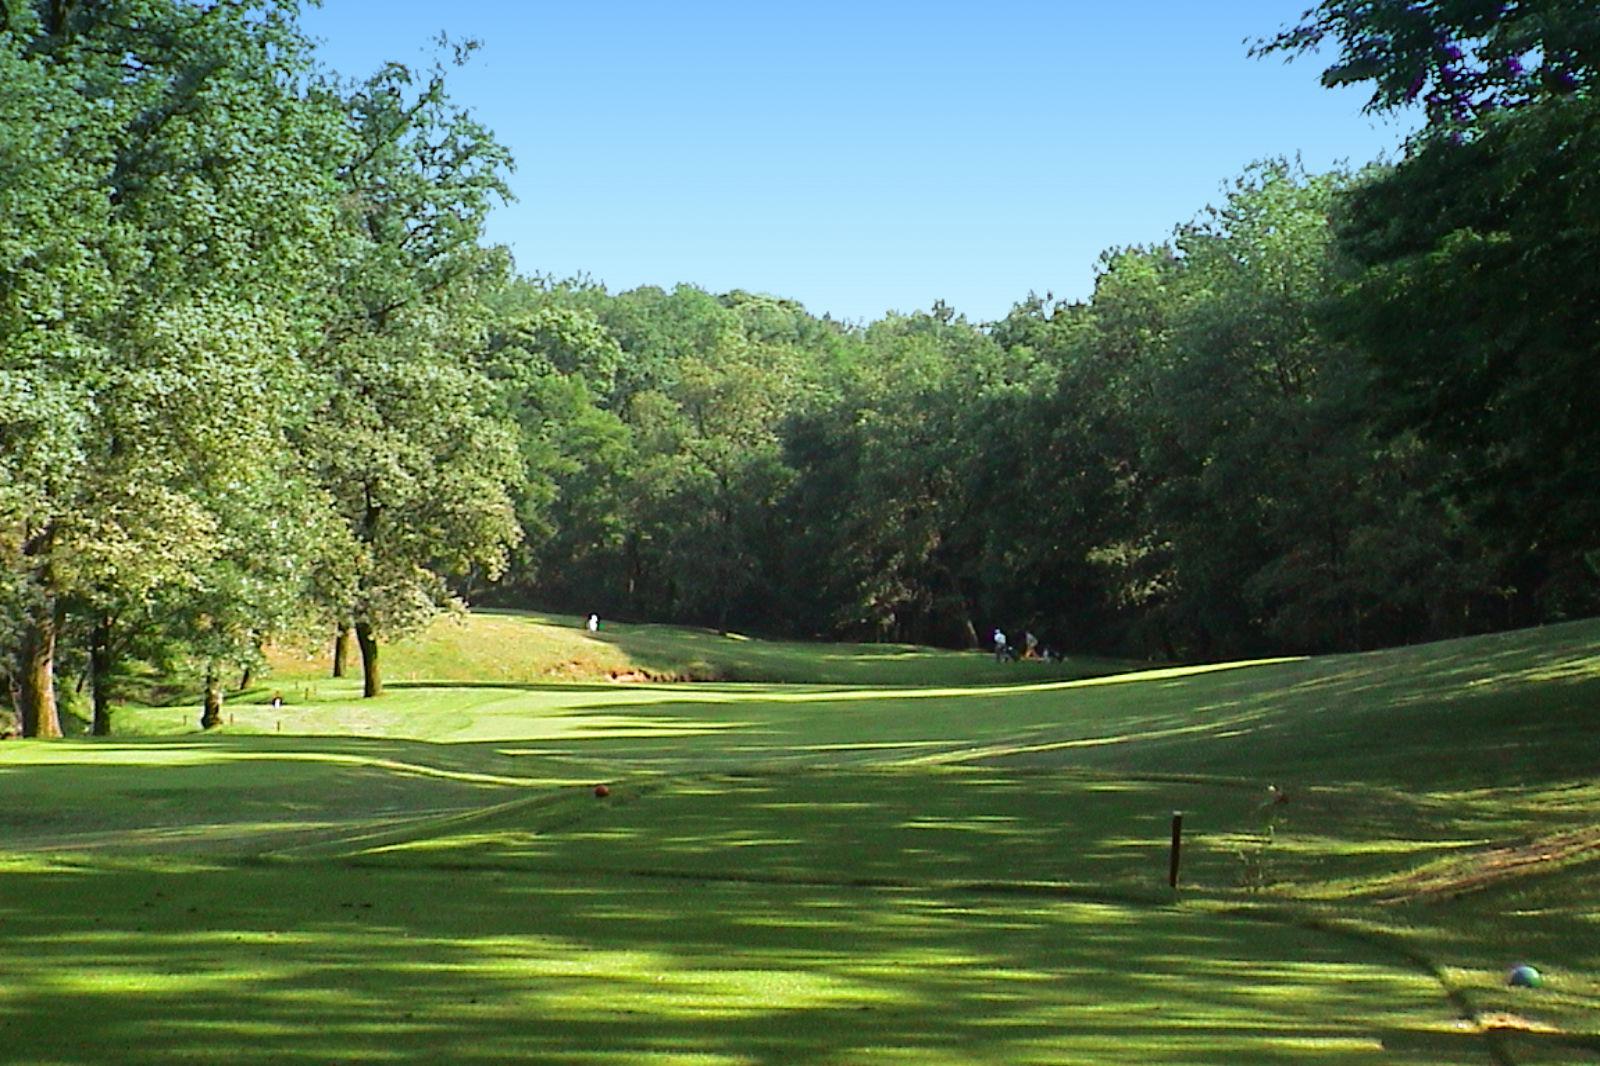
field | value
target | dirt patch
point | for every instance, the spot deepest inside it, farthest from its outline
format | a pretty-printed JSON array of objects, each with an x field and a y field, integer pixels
[
  {"x": 1492, "y": 866},
  {"x": 1504, "y": 1020}
]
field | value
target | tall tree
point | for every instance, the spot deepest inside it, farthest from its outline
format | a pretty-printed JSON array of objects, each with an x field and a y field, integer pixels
[
  {"x": 1477, "y": 285},
  {"x": 406, "y": 438},
  {"x": 166, "y": 172}
]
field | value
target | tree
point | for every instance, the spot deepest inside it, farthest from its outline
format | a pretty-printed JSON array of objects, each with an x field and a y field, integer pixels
[
  {"x": 650, "y": 425},
  {"x": 1476, "y": 297},
  {"x": 163, "y": 174},
  {"x": 418, "y": 472},
  {"x": 1475, "y": 284},
  {"x": 555, "y": 366},
  {"x": 1211, "y": 451},
  {"x": 1247, "y": 442},
  {"x": 404, "y": 437},
  {"x": 1465, "y": 60},
  {"x": 884, "y": 506},
  {"x": 232, "y": 534},
  {"x": 1053, "y": 488}
]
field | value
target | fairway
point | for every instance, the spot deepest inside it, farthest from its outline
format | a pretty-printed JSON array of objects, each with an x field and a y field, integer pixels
[
  {"x": 332, "y": 964},
  {"x": 969, "y": 870},
  {"x": 731, "y": 592}
]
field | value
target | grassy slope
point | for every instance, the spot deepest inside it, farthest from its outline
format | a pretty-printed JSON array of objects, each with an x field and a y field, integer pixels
[
  {"x": 506, "y": 646},
  {"x": 828, "y": 872}
]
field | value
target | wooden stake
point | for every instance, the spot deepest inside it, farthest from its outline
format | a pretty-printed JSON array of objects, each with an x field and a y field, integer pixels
[{"x": 1177, "y": 845}]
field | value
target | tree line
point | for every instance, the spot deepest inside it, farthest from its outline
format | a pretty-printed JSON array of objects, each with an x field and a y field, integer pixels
[{"x": 261, "y": 374}]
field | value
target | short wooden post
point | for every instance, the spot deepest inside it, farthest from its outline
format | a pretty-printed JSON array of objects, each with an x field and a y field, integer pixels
[{"x": 1177, "y": 846}]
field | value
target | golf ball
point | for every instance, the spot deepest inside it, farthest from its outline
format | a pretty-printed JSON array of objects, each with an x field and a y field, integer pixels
[{"x": 1523, "y": 976}]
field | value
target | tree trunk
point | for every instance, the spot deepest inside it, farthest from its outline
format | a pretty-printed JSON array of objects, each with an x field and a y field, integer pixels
[
  {"x": 100, "y": 676},
  {"x": 36, "y": 650},
  {"x": 211, "y": 717},
  {"x": 341, "y": 650},
  {"x": 1165, "y": 630},
  {"x": 631, "y": 555},
  {"x": 36, "y": 683},
  {"x": 372, "y": 681},
  {"x": 725, "y": 563}
]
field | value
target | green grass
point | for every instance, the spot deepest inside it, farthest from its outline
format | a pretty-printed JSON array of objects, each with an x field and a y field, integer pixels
[
  {"x": 514, "y": 647},
  {"x": 325, "y": 963},
  {"x": 911, "y": 857}
]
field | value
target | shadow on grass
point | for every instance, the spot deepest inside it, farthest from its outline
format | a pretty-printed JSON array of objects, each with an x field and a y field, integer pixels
[
  {"x": 1514, "y": 710},
  {"x": 322, "y": 963},
  {"x": 471, "y": 926},
  {"x": 898, "y": 828},
  {"x": 730, "y": 657}
]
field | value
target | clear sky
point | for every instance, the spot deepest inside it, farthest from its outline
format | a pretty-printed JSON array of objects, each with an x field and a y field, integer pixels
[{"x": 867, "y": 156}]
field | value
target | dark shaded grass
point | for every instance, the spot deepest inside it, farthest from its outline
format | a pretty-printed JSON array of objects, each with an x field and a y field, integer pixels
[{"x": 318, "y": 962}]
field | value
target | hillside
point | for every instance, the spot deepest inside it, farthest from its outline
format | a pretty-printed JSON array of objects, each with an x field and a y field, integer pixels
[{"x": 516, "y": 647}]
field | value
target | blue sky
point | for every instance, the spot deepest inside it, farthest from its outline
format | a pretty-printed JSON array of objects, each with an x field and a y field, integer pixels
[{"x": 864, "y": 157}]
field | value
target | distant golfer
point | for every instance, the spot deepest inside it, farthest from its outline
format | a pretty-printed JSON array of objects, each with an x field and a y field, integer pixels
[
  {"x": 999, "y": 645},
  {"x": 594, "y": 623}
]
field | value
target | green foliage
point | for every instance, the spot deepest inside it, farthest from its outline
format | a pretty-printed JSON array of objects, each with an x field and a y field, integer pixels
[
  {"x": 1198, "y": 461},
  {"x": 1464, "y": 59},
  {"x": 907, "y": 542},
  {"x": 1472, "y": 281},
  {"x": 259, "y": 372},
  {"x": 1195, "y": 395},
  {"x": 216, "y": 252},
  {"x": 187, "y": 189},
  {"x": 1476, "y": 301},
  {"x": 405, "y": 437}
]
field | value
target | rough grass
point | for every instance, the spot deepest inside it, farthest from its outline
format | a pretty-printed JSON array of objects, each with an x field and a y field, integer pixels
[{"x": 947, "y": 871}]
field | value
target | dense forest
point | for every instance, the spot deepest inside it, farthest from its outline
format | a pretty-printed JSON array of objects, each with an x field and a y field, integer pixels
[{"x": 262, "y": 375}]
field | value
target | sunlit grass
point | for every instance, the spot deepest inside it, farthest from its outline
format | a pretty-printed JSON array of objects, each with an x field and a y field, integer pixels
[
  {"x": 508, "y": 647},
  {"x": 927, "y": 866},
  {"x": 327, "y": 964}
]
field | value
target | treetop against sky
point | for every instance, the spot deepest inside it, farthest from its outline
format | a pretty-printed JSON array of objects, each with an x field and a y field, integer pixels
[{"x": 862, "y": 158}]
